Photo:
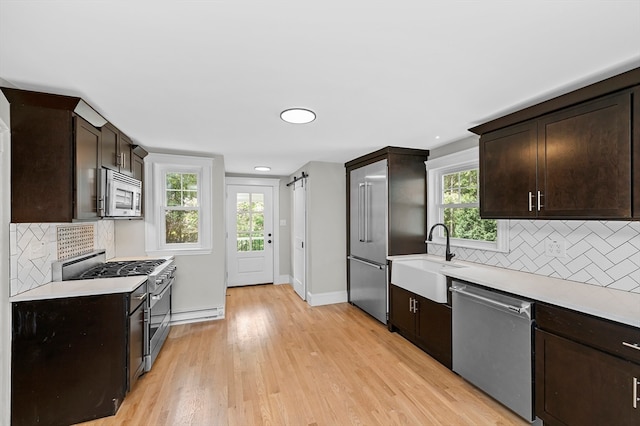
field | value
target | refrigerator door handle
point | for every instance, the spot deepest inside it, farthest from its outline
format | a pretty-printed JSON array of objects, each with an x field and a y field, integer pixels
[
  {"x": 361, "y": 211},
  {"x": 367, "y": 207},
  {"x": 375, "y": 265}
]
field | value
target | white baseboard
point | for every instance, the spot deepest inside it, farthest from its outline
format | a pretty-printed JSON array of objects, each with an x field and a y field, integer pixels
[
  {"x": 197, "y": 316},
  {"x": 326, "y": 298},
  {"x": 283, "y": 279}
]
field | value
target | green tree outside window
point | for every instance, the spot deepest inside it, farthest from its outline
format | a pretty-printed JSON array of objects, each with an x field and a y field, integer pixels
[{"x": 460, "y": 202}]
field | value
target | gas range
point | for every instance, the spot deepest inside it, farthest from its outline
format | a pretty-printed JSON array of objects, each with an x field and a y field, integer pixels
[
  {"x": 160, "y": 278},
  {"x": 121, "y": 268},
  {"x": 94, "y": 265}
]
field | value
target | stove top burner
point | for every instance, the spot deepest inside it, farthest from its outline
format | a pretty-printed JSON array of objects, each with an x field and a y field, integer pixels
[{"x": 120, "y": 269}]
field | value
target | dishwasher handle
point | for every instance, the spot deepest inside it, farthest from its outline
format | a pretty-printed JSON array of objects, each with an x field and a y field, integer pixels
[{"x": 516, "y": 309}]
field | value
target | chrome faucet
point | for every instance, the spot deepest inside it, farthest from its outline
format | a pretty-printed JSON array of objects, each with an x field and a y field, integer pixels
[{"x": 447, "y": 254}]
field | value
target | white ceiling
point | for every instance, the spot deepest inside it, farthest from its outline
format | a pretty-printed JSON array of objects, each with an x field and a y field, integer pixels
[{"x": 212, "y": 76}]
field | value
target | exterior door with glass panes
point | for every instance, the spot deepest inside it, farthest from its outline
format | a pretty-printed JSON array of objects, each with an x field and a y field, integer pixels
[{"x": 249, "y": 235}]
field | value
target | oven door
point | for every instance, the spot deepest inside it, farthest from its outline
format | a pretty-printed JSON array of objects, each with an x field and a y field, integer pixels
[{"x": 159, "y": 318}]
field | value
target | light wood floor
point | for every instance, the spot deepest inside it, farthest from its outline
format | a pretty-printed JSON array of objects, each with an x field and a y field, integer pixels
[{"x": 275, "y": 360}]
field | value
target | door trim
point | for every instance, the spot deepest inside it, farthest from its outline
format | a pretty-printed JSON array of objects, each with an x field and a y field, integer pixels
[{"x": 254, "y": 181}]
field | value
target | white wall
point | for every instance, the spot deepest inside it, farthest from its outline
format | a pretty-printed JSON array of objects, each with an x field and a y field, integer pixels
[
  {"x": 5, "y": 307},
  {"x": 326, "y": 232},
  {"x": 199, "y": 291}
]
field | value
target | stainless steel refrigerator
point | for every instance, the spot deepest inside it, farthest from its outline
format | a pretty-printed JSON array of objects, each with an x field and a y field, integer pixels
[{"x": 368, "y": 239}]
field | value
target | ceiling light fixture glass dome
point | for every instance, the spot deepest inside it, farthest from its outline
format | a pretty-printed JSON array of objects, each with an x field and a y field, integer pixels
[
  {"x": 262, "y": 168},
  {"x": 298, "y": 115}
]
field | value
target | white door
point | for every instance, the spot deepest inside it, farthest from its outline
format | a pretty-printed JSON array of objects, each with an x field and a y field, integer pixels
[
  {"x": 249, "y": 235},
  {"x": 299, "y": 238}
]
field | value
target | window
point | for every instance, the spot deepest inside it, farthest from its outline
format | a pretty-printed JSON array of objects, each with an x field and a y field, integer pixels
[
  {"x": 250, "y": 221},
  {"x": 454, "y": 200},
  {"x": 178, "y": 204},
  {"x": 181, "y": 208}
]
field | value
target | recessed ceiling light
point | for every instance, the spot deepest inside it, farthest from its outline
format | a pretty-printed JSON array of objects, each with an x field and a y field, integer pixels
[
  {"x": 262, "y": 169},
  {"x": 437, "y": 137},
  {"x": 298, "y": 115}
]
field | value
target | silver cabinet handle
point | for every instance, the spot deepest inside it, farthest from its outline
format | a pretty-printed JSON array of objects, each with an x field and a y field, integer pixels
[
  {"x": 530, "y": 201},
  {"x": 635, "y": 392},
  {"x": 411, "y": 304},
  {"x": 540, "y": 195},
  {"x": 142, "y": 296},
  {"x": 632, "y": 345},
  {"x": 415, "y": 306}
]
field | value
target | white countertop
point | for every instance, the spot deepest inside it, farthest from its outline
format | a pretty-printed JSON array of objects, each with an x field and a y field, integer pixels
[
  {"x": 75, "y": 288},
  {"x": 615, "y": 305},
  {"x": 90, "y": 287}
]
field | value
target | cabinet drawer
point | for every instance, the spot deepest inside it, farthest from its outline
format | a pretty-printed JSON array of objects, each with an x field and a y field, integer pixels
[{"x": 596, "y": 332}]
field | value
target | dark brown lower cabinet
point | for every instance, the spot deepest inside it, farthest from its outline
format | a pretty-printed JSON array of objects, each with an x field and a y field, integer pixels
[
  {"x": 577, "y": 384},
  {"x": 69, "y": 359},
  {"x": 425, "y": 323}
]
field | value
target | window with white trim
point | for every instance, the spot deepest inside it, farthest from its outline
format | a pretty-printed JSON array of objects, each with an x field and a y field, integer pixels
[
  {"x": 178, "y": 204},
  {"x": 454, "y": 200}
]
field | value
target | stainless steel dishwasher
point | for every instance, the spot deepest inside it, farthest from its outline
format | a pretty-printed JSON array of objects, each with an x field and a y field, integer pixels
[{"x": 492, "y": 345}]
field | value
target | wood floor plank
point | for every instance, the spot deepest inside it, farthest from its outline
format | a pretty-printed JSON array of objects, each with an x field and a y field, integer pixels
[{"x": 275, "y": 360}]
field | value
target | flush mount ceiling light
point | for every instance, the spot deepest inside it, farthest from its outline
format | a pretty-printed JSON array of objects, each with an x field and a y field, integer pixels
[
  {"x": 298, "y": 115},
  {"x": 262, "y": 169}
]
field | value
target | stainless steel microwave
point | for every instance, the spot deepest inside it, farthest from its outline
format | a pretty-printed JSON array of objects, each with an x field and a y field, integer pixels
[{"x": 120, "y": 195}]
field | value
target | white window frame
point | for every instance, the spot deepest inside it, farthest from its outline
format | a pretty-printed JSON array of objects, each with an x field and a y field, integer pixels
[
  {"x": 156, "y": 168},
  {"x": 452, "y": 163}
]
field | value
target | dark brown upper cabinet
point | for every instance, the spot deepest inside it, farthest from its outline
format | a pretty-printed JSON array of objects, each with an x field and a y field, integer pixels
[
  {"x": 406, "y": 197},
  {"x": 575, "y": 163},
  {"x": 578, "y": 161},
  {"x": 116, "y": 150},
  {"x": 55, "y": 155}
]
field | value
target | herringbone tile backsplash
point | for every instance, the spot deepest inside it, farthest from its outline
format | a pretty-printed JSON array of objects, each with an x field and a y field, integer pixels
[
  {"x": 604, "y": 253},
  {"x": 35, "y": 246}
]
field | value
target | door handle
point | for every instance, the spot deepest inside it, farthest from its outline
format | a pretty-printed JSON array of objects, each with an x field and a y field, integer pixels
[
  {"x": 360, "y": 212},
  {"x": 367, "y": 203},
  {"x": 375, "y": 265}
]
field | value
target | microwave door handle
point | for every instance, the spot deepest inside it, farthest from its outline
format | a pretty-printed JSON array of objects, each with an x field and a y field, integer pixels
[{"x": 101, "y": 206}]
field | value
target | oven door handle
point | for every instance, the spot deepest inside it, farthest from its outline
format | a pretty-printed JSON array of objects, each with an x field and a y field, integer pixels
[{"x": 161, "y": 295}]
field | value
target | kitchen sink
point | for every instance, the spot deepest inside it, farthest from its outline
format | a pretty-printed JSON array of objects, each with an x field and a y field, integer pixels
[{"x": 421, "y": 277}]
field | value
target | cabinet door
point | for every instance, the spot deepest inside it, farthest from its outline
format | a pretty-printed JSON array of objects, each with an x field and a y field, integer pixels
[
  {"x": 508, "y": 172},
  {"x": 126, "y": 155},
  {"x": 636, "y": 152},
  {"x": 433, "y": 329},
  {"x": 68, "y": 359},
  {"x": 87, "y": 149},
  {"x": 400, "y": 314},
  {"x": 576, "y": 384},
  {"x": 135, "y": 365},
  {"x": 584, "y": 160},
  {"x": 109, "y": 147}
]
